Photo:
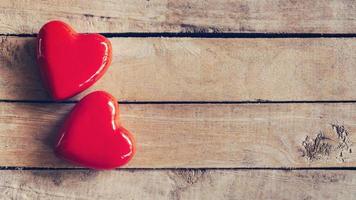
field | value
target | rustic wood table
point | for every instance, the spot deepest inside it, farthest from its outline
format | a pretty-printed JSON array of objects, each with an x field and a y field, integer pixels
[{"x": 227, "y": 99}]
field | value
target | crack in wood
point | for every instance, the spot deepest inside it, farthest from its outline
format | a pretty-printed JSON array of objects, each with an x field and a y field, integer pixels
[{"x": 322, "y": 146}]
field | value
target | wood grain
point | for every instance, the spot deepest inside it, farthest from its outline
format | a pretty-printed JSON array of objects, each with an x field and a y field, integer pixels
[
  {"x": 178, "y": 184},
  {"x": 270, "y": 135},
  {"x": 197, "y": 135},
  {"x": 196, "y": 69},
  {"x": 262, "y": 16}
]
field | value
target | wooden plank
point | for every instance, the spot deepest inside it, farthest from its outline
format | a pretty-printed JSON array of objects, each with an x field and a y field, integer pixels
[
  {"x": 195, "y": 69},
  {"x": 272, "y": 16},
  {"x": 197, "y": 135},
  {"x": 178, "y": 184}
]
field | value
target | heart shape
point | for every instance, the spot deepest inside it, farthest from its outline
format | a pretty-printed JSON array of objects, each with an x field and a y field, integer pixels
[
  {"x": 70, "y": 62},
  {"x": 92, "y": 137}
]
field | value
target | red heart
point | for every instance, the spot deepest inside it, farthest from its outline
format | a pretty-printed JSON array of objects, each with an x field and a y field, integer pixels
[
  {"x": 70, "y": 62},
  {"x": 92, "y": 137}
]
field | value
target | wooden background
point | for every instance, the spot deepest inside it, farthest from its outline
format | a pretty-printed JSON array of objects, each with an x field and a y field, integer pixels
[{"x": 227, "y": 99}]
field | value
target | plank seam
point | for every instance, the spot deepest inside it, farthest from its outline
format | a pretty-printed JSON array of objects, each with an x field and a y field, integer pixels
[
  {"x": 13, "y": 168},
  {"x": 211, "y": 35},
  {"x": 258, "y": 101}
]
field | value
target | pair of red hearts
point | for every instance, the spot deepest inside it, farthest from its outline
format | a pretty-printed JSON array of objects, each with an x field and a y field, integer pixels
[{"x": 70, "y": 63}]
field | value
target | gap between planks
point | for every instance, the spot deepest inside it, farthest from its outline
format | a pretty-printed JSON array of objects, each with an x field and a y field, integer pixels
[
  {"x": 77, "y": 168},
  {"x": 186, "y": 102},
  {"x": 209, "y": 35}
]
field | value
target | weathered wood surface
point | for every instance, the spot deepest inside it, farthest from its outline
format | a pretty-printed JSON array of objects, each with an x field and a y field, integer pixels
[
  {"x": 273, "y": 16},
  {"x": 195, "y": 135},
  {"x": 196, "y": 69},
  {"x": 178, "y": 184},
  {"x": 192, "y": 69}
]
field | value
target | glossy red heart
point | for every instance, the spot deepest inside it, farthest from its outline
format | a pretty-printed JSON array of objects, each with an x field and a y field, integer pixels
[
  {"x": 91, "y": 135},
  {"x": 70, "y": 62}
]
